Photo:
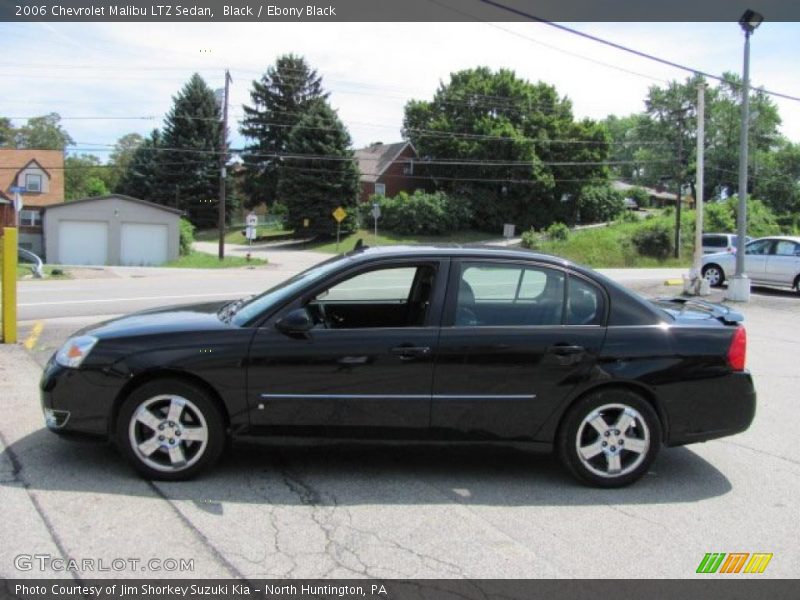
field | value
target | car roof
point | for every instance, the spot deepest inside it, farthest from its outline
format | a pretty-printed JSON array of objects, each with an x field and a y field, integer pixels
[
  {"x": 790, "y": 238},
  {"x": 457, "y": 250}
]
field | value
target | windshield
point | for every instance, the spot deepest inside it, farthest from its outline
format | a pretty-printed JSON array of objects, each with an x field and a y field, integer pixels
[{"x": 251, "y": 308}]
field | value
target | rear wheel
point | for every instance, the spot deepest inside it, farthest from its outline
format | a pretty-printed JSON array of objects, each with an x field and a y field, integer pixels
[
  {"x": 610, "y": 438},
  {"x": 170, "y": 430},
  {"x": 714, "y": 275}
]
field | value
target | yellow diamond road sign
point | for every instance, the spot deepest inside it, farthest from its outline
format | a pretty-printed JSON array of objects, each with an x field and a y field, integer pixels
[{"x": 339, "y": 214}]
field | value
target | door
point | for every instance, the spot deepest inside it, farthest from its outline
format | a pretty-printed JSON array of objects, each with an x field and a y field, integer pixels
[
  {"x": 783, "y": 263},
  {"x": 366, "y": 365},
  {"x": 755, "y": 260},
  {"x": 516, "y": 338},
  {"x": 83, "y": 242},
  {"x": 143, "y": 244}
]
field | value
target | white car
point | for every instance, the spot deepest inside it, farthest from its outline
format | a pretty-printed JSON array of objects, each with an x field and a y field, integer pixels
[
  {"x": 721, "y": 242},
  {"x": 767, "y": 261}
]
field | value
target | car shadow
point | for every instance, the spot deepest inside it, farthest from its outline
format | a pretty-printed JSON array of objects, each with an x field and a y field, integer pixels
[{"x": 356, "y": 473}]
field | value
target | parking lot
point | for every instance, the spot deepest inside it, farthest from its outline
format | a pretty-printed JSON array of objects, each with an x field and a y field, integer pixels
[{"x": 290, "y": 509}]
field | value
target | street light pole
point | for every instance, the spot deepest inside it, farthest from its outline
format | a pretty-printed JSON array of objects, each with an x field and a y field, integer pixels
[
  {"x": 223, "y": 167},
  {"x": 739, "y": 288}
]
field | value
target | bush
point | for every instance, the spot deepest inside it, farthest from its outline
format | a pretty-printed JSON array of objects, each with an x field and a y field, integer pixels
[
  {"x": 598, "y": 203},
  {"x": 530, "y": 239},
  {"x": 654, "y": 240},
  {"x": 558, "y": 231},
  {"x": 639, "y": 195},
  {"x": 718, "y": 217},
  {"x": 424, "y": 213},
  {"x": 628, "y": 216},
  {"x": 186, "y": 237},
  {"x": 279, "y": 211}
]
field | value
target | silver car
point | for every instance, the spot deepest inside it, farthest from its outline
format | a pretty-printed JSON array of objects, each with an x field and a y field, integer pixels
[{"x": 768, "y": 261}]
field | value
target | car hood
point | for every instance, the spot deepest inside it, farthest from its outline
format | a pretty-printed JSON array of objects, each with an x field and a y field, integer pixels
[{"x": 175, "y": 319}]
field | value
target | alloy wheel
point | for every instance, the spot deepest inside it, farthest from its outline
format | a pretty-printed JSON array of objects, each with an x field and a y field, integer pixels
[
  {"x": 168, "y": 433},
  {"x": 612, "y": 440},
  {"x": 713, "y": 275}
]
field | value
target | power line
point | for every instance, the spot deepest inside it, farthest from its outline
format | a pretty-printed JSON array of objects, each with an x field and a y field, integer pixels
[{"x": 627, "y": 49}]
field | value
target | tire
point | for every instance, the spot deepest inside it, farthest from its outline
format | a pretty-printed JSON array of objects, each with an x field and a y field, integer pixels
[
  {"x": 612, "y": 456},
  {"x": 797, "y": 284},
  {"x": 714, "y": 275},
  {"x": 170, "y": 430}
]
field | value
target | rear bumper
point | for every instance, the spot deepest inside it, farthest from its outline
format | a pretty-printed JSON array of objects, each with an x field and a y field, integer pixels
[{"x": 713, "y": 408}]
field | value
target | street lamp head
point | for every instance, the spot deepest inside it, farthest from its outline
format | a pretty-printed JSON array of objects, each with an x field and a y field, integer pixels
[{"x": 750, "y": 21}]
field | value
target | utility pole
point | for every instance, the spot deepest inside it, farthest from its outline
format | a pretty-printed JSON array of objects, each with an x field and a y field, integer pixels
[
  {"x": 223, "y": 161},
  {"x": 698, "y": 284},
  {"x": 680, "y": 186}
]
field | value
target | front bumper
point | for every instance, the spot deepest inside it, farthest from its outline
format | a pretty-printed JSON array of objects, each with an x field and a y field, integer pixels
[{"x": 78, "y": 400}]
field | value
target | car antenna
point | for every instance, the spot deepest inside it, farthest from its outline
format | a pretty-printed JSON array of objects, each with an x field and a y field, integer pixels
[{"x": 360, "y": 245}]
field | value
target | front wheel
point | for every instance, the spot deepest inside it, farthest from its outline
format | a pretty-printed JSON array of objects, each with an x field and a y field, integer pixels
[
  {"x": 714, "y": 275},
  {"x": 170, "y": 430},
  {"x": 610, "y": 438}
]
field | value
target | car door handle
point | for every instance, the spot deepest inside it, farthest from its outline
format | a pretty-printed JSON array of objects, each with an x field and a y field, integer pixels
[
  {"x": 566, "y": 350},
  {"x": 410, "y": 352}
]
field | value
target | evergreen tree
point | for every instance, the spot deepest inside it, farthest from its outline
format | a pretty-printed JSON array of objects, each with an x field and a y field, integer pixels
[
  {"x": 139, "y": 177},
  {"x": 312, "y": 188},
  {"x": 188, "y": 162},
  {"x": 279, "y": 100}
]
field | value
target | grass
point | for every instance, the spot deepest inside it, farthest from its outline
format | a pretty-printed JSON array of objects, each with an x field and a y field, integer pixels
[
  {"x": 611, "y": 247},
  {"x": 24, "y": 272},
  {"x": 201, "y": 260},
  {"x": 347, "y": 242},
  {"x": 233, "y": 234}
]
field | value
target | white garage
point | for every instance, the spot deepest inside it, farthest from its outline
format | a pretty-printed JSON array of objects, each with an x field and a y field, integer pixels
[
  {"x": 83, "y": 242},
  {"x": 111, "y": 230},
  {"x": 144, "y": 244}
]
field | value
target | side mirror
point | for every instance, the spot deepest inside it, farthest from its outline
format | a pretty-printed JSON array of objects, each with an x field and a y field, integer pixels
[{"x": 297, "y": 321}]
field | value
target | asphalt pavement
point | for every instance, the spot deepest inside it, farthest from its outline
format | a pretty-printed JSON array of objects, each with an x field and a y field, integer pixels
[{"x": 290, "y": 509}]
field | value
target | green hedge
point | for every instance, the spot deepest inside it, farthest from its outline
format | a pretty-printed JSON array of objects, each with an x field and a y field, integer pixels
[{"x": 424, "y": 213}]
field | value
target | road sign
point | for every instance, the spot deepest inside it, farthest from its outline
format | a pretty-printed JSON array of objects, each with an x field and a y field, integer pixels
[
  {"x": 250, "y": 233},
  {"x": 339, "y": 214},
  {"x": 508, "y": 231},
  {"x": 252, "y": 220},
  {"x": 15, "y": 189},
  {"x": 376, "y": 211}
]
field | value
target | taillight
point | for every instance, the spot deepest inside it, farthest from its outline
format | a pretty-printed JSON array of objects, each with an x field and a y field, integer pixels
[{"x": 738, "y": 349}]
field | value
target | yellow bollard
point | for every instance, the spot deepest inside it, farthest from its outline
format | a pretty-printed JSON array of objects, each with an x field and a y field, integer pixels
[{"x": 10, "y": 285}]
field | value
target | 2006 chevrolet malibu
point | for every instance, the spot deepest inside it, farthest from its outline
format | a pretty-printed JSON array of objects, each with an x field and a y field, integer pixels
[{"x": 413, "y": 343}]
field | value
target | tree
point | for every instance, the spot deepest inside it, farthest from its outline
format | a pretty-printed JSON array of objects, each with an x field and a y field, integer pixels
[
  {"x": 43, "y": 133},
  {"x": 139, "y": 178},
  {"x": 776, "y": 178},
  {"x": 84, "y": 177},
  {"x": 122, "y": 155},
  {"x": 188, "y": 157},
  {"x": 280, "y": 99},
  {"x": 311, "y": 188},
  {"x": 6, "y": 133},
  {"x": 488, "y": 136}
]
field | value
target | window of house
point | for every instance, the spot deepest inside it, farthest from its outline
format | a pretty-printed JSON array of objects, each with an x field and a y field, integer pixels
[
  {"x": 380, "y": 189},
  {"x": 30, "y": 218},
  {"x": 33, "y": 182},
  {"x": 493, "y": 295}
]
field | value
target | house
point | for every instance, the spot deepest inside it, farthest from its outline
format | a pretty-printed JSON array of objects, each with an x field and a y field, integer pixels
[
  {"x": 387, "y": 169},
  {"x": 658, "y": 198},
  {"x": 111, "y": 230},
  {"x": 40, "y": 174}
]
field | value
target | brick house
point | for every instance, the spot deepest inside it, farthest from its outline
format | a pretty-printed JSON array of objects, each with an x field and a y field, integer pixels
[
  {"x": 41, "y": 175},
  {"x": 387, "y": 169}
]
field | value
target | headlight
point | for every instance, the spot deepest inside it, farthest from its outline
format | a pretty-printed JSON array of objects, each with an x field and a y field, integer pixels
[{"x": 75, "y": 351}]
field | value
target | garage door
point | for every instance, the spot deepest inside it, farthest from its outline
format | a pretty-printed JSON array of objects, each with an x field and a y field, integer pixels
[
  {"x": 143, "y": 244},
  {"x": 82, "y": 243}
]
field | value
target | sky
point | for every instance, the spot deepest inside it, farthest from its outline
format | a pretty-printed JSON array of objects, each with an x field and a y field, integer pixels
[{"x": 123, "y": 75}]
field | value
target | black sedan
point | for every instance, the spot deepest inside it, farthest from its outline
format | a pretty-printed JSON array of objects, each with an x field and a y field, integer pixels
[{"x": 413, "y": 343}]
